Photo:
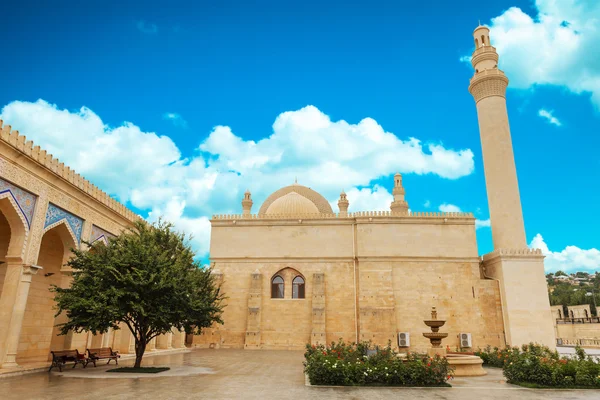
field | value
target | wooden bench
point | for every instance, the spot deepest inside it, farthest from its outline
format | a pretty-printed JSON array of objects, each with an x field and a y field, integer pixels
[
  {"x": 62, "y": 357},
  {"x": 102, "y": 354}
]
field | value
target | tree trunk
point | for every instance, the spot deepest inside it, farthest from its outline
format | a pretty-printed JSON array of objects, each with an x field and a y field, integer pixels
[{"x": 140, "y": 348}]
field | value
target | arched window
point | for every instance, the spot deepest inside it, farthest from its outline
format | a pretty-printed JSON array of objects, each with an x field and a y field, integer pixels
[
  {"x": 277, "y": 287},
  {"x": 298, "y": 288},
  {"x": 476, "y": 43},
  {"x": 483, "y": 40}
]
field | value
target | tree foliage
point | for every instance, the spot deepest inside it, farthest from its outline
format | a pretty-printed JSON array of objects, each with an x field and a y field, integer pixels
[{"x": 145, "y": 278}]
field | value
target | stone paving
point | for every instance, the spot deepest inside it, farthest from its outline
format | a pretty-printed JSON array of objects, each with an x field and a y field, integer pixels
[{"x": 245, "y": 374}]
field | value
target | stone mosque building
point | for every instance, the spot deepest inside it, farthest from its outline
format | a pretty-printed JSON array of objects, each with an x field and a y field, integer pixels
[{"x": 296, "y": 272}]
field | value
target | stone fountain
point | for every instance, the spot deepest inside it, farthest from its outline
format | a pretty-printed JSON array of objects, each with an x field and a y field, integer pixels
[
  {"x": 435, "y": 337},
  {"x": 464, "y": 364}
]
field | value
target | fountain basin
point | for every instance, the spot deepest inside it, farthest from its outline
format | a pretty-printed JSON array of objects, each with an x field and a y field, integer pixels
[
  {"x": 435, "y": 338},
  {"x": 434, "y": 324},
  {"x": 466, "y": 365}
]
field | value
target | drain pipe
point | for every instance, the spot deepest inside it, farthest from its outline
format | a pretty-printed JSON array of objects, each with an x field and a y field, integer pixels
[
  {"x": 482, "y": 266},
  {"x": 355, "y": 282}
]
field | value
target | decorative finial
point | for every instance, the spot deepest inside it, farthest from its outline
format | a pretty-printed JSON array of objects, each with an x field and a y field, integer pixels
[
  {"x": 479, "y": 21},
  {"x": 433, "y": 313}
]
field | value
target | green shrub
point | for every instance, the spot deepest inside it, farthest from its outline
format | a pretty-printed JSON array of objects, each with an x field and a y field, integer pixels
[
  {"x": 363, "y": 364},
  {"x": 538, "y": 366},
  {"x": 494, "y": 357}
]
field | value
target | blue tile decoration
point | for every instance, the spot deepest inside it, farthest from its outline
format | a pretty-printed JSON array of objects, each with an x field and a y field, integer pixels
[
  {"x": 99, "y": 233},
  {"x": 24, "y": 199},
  {"x": 56, "y": 214}
]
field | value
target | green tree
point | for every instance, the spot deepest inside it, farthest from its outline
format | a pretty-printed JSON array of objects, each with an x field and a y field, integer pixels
[
  {"x": 559, "y": 273},
  {"x": 145, "y": 278}
]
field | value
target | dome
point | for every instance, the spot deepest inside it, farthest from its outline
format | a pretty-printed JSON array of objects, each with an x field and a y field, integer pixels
[
  {"x": 295, "y": 199},
  {"x": 292, "y": 203}
]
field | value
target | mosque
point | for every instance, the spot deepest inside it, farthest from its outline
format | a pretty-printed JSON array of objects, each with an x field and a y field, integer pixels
[{"x": 297, "y": 271}]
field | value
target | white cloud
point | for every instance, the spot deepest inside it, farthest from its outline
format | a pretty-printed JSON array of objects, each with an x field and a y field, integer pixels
[
  {"x": 479, "y": 223},
  {"x": 148, "y": 171},
  {"x": 449, "y": 208},
  {"x": 147, "y": 28},
  {"x": 427, "y": 204},
  {"x": 366, "y": 199},
  {"x": 571, "y": 259},
  {"x": 176, "y": 119},
  {"x": 559, "y": 46},
  {"x": 482, "y": 223},
  {"x": 548, "y": 116}
]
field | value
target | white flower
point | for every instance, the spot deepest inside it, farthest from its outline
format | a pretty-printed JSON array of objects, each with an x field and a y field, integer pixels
[{"x": 365, "y": 373}]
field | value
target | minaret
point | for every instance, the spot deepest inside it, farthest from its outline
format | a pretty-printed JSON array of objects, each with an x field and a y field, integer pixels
[
  {"x": 519, "y": 271},
  {"x": 343, "y": 204},
  {"x": 247, "y": 203},
  {"x": 399, "y": 205},
  {"x": 488, "y": 87}
]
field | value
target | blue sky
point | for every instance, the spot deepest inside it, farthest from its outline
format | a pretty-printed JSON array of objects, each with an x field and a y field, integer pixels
[{"x": 176, "y": 108}]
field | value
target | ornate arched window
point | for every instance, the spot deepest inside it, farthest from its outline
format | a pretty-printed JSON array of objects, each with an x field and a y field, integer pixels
[
  {"x": 277, "y": 287},
  {"x": 298, "y": 288}
]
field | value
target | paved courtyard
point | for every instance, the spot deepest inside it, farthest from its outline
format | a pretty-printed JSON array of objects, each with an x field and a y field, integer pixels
[{"x": 239, "y": 374}]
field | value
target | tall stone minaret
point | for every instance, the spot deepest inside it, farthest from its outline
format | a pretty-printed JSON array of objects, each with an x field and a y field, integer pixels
[
  {"x": 488, "y": 87},
  {"x": 519, "y": 271}
]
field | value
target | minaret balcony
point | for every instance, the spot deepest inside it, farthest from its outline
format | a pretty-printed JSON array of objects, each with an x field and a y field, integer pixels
[
  {"x": 484, "y": 54},
  {"x": 490, "y": 82},
  {"x": 483, "y": 49},
  {"x": 488, "y": 74}
]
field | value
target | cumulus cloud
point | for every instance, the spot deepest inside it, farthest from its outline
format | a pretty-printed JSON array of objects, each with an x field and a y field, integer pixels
[
  {"x": 570, "y": 259},
  {"x": 548, "y": 116},
  {"x": 376, "y": 198},
  {"x": 479, "y": 223},
  {"x": 147, "y": 28},
  {"x": 176, "y": 119},
  {"x": 482, "y": 223},
  {"x": 449, "y": 208},
  {"x": 147, "y": 170},
  {"x": 559, "y": 46},
  {"x": 427, "y": 204}
]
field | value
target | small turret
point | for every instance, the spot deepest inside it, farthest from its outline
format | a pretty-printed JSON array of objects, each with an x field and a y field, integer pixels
[
  {"x": 247, "y": 203},
  {"x": 343, "y": 204},
  {"x": 399, "y": 205}
]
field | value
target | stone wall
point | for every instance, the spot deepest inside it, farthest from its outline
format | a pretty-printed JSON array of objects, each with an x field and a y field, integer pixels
[{"x": 381, "y": 275}]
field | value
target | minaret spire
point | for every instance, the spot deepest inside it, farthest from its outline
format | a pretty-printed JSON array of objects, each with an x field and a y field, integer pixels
[
  {"x": 343, "y": 204},
  {"x": 488, "y": 87},
  {"x": 399, "y": 205},
  {"x": 247, "y": 203}
]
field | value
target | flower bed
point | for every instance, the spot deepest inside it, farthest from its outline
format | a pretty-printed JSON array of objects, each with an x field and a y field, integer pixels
[
  {"x": 354, "y": 364},
  {"x": 539, "y": 367}
]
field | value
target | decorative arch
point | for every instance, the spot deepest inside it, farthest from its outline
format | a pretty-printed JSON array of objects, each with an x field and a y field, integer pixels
[
  {"x": 100, "y": 234},
  {"x": 288, "y": 275},
  {"x": 56, "y": 215},
  {"x": 66, "y": 234},
  {"x": 17, "y": 221}
]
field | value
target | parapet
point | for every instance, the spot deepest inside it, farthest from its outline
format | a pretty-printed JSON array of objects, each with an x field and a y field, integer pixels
[
  {"x": 512, "y": 253},
  {"x": 359, "y": 214},
  {"x": 21, "y": 144}
]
